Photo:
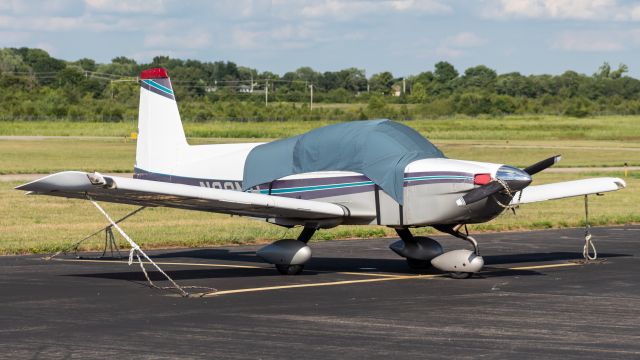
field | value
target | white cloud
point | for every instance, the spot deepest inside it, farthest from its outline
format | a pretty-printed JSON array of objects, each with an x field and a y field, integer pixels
[
  {"x": 448, "y": 52},
  {"x": 193, "y": 40},
  {"x": 244, "y": 39},
  {"x": 634, "y": 13},
  {"x": 348, "y": 9},
  {"x": 590, "y": 41},
  {"x": 428, "y": 6},
  {"x": 13, "y": 38},
  {"x": 465, "y": 39},
  {"x": 147, "y": 55},
  {"x": 46, "y": 47},
  {"x": 127, "y": 6},
  {"x": 49, "y": 7},
  {"x": 69, "y": 23},
  {"x": 283, "y": 37},
  {"x": 453, "y": 46},
  {"x": 556, "y": 9}
]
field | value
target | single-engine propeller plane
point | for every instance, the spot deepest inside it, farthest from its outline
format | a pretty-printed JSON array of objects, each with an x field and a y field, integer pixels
[{"x": 376, "y": 172}]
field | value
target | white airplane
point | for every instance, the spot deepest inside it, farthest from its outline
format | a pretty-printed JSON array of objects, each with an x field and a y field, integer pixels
[{"x": 376, "y": 172}]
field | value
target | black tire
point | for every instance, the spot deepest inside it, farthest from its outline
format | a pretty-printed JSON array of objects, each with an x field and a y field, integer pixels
[
  {"x": 290, "y": 269},
  {"x": 415, "y": 264},
  {"x": 460, "y": 275}
]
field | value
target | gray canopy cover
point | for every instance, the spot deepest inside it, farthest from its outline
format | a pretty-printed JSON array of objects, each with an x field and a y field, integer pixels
[{"x": 379, "y": 149}]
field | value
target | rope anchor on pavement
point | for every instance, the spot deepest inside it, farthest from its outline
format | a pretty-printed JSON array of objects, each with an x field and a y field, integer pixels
[{"x": 136, "y": 251}]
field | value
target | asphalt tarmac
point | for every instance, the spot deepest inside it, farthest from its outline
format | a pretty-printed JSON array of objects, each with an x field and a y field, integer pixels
[{"x": 355, "y": 300}]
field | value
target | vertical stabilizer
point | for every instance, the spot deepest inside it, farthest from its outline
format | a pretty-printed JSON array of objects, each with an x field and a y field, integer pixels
[{"x": 161, "y": 139}]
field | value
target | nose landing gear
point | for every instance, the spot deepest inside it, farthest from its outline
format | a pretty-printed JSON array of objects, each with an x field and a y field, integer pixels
[
  {"x": 460, "y": 264},
  {"x": 423, "y": 252}
]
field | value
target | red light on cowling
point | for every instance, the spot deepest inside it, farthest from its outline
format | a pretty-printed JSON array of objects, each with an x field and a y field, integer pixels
[
  {"x": 482, "y": 179},
  {"x": 154, "y": 73}
]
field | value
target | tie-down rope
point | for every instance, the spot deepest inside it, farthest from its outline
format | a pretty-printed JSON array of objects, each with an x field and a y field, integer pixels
[
  {"x": 135, "y": 250},
  {"x": 589, "y": 246},
  {"x": 588, "y": 242}
]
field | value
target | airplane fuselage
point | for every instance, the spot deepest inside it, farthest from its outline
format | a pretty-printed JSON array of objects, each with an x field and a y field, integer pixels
[{"x": 431, "y": 187}]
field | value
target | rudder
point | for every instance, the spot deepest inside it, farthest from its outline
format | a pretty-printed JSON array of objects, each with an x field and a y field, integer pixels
[{"x": 161, "y": 139}]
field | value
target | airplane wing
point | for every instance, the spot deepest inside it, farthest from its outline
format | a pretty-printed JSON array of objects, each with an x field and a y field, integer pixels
[
  {"x": 567, "y": 189},
  {"x": 76, "y": 184}
]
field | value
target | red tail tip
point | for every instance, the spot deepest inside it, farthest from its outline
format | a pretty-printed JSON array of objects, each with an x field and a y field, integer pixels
[{"x": 154, "y": 73}]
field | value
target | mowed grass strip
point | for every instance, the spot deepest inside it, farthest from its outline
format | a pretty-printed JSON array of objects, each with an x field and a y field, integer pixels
[
  {"x": 43, "y": 224},
  {"x": 117, "y": 155},
  {"x": 615, "y": 128}
]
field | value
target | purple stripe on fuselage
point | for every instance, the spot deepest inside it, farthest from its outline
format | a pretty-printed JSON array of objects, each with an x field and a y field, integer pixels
[
  {"x": 437, "y": 173},
  {"x": 435, "y": 181},
  {"x": 210, "y": 183}
]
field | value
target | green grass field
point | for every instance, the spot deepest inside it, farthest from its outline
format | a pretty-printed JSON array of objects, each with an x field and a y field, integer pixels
[{"x": 43, "y": 224}]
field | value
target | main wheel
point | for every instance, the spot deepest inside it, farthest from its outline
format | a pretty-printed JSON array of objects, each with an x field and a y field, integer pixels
[
  {"x": 415, "y": 264},
  {"x": 290, "y": 269},
  {"x": 460, "y": 275}
]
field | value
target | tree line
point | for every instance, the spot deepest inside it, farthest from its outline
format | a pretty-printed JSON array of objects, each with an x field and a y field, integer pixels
[{"x": 35, "y": 85}]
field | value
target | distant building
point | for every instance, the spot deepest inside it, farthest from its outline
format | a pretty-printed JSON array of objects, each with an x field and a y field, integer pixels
[{"x": 396, "y": 90}]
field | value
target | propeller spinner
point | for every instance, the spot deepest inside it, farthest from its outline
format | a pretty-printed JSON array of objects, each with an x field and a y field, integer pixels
[{"x": 514, "y": 178}]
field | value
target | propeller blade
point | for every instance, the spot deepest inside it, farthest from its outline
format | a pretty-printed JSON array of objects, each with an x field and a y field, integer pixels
[
  {"x": 541, "y": 165},
  {"x": 480, "y": 193}
]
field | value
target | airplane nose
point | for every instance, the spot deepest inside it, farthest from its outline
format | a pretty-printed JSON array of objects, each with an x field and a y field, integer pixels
[{"x": 514, "y": 177}]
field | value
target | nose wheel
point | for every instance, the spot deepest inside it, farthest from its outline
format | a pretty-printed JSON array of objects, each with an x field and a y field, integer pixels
[{"x": 460, "y": 275}]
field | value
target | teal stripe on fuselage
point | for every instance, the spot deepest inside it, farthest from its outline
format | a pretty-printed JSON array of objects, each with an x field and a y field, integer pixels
[
  {"x": 314, "y": 188},
  {"x": 361, "y": 183},
  {"x": 155, "y": 85}
]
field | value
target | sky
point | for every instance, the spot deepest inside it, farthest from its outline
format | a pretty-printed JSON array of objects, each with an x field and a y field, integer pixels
[{"x": 404, "y": 36}]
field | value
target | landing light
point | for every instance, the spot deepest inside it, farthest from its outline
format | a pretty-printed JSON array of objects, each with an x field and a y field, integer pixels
[{"x": 482, "y": 179}]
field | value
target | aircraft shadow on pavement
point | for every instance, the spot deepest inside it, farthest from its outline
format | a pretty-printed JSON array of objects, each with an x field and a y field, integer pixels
[
  {"x": 540, "y": 257},
  {"x": 324, "y": 265}
]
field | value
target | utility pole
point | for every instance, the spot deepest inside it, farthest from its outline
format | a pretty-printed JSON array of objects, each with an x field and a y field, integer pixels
[
  {"x": 404, "y": 86},
  {"x": 311, "y": 102},
  {"x": 266, "y": 92}
]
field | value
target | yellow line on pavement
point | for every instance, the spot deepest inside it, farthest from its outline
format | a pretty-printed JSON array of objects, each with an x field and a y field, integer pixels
[
  {"x": 386, "y": 278},
  {"x": 167, "y": 263},
  {"x": 220, "y": 265},
  {"x": 331, "y": 283},
  {"x": 544, "y": 266},
  {"x": 368, "y": 274}
]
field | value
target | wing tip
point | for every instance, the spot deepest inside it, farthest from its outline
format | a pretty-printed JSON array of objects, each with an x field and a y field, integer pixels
[{"x": 621, "y": 184}]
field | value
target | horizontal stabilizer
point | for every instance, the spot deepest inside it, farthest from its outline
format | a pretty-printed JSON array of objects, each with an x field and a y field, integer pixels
[
  {"x": 568, "y": 189},
  {"x": 76, "y": 184}
]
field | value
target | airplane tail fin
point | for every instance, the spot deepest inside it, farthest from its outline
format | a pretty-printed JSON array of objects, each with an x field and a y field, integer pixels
[{"x": 161, "y": 139}]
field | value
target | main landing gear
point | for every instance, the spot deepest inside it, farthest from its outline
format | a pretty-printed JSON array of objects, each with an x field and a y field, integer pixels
[
  {"x": 289, "y": 255},
  {"x": 422, "y": 252},
  {"x": 418, "y": 250}
]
